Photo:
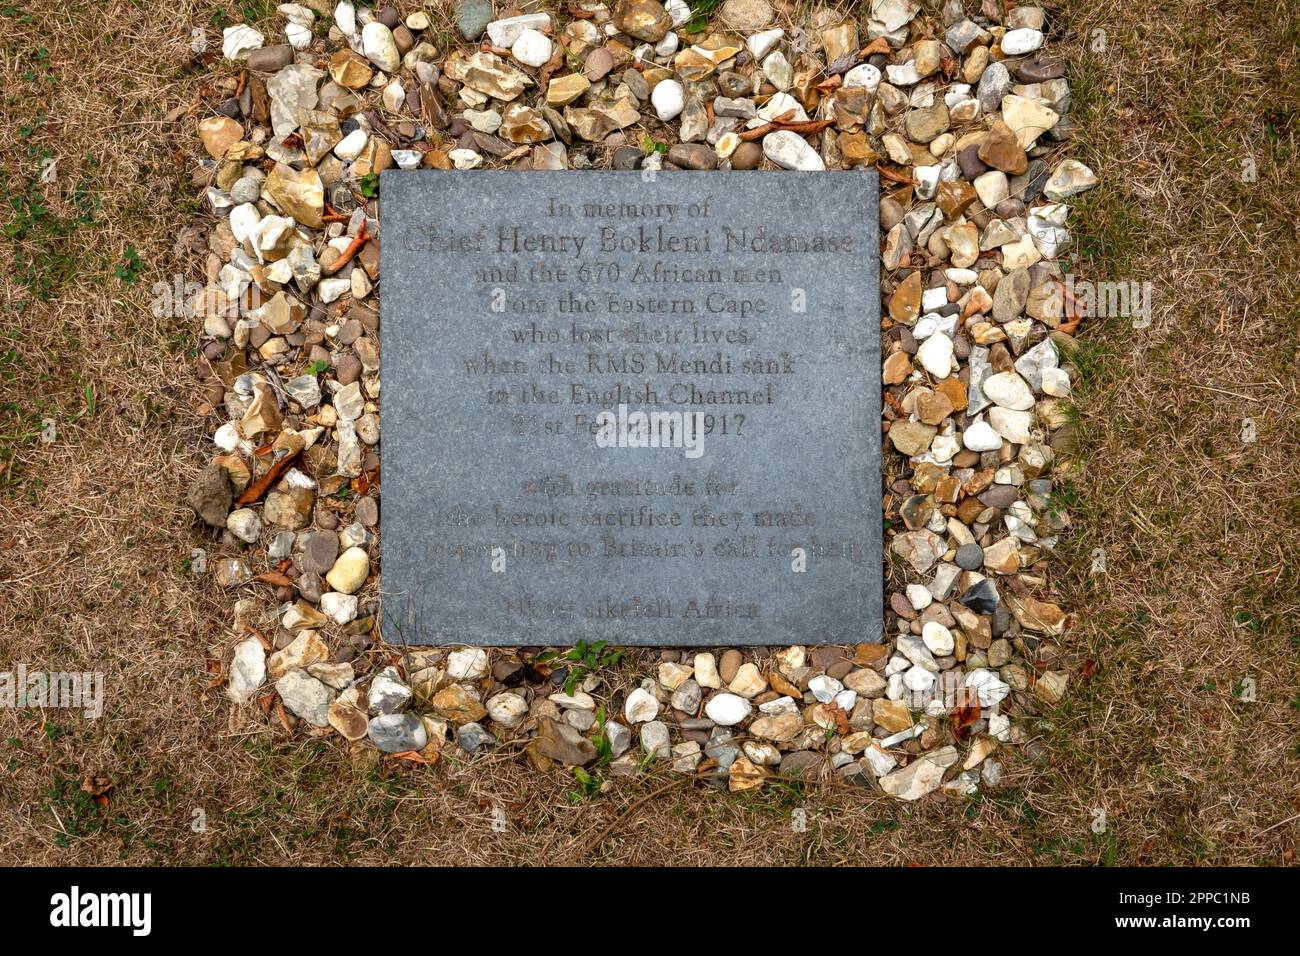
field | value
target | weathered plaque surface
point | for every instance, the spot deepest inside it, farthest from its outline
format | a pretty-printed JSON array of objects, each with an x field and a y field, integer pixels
[{"x": 641, "y": 411}]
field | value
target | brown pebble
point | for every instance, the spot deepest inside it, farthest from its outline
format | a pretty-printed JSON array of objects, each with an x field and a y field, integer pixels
[
  {"x": 747, "y": 156},
  {"x": 729, "y": 664},
  {"x": 839, "y": 669},
  {"x": 367, "y": 512},
  {"x": 347, "y": 368}
]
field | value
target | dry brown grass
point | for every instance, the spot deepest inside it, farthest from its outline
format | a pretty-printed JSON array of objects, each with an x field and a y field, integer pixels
[{"x": 1200, "y": 530}]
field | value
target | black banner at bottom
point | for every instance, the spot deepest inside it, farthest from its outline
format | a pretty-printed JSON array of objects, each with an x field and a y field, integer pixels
[{"x": 1080, "y": 905}]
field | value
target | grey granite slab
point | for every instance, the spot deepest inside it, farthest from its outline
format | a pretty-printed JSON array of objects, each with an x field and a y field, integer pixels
[{"x": 519, "y": 306}]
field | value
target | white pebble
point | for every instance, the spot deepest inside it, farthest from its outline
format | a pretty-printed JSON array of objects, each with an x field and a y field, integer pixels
[
  {"x": 981, "y": 437},
  {"x": 727, "y": 710},
  {"x": 938, "y": 639},
  {"x": 641, "y": 706},
  {"x": 1056, "y": 382},
  {"x": 935, "y": 354},
  {"x": 789, "y": 150},
  {"x": 1018, "y": 42},
  {"x": 532, "y": 48},
  {"x": 1008, "y": 390},
  {"x": 350, "y": 146},
  {"x": 865, "y": 76},
  {"x": 668, "y": 99}
]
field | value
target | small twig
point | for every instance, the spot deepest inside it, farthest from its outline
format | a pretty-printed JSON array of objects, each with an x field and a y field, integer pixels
[
  {"x": 806, "y": 127},
  {"x": 802, "y": 127},
  {"x": 1278, "y": 824},
  {"x": 758, "y": 132},
  {"x": 262, "y": 485},
  {"x": 886, "y": 173},
  {"x": 361, "y": 238},
  {"x": 628, "y": 812}
]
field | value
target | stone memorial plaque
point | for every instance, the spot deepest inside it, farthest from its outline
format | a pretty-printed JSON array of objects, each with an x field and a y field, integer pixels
[{"x": 638, "y": 410}]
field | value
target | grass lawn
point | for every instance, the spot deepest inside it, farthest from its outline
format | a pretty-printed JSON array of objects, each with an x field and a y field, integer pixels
[{"x": 1174, "y": 103}]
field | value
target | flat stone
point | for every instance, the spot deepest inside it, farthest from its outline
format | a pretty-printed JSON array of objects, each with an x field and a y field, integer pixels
[
  {"x": 727, "y": 710},
  {"x": 292, "y": 90},
  {"x": 305, "y": 649},
  {"x": 905, "y": 303},
  {"x": 781, "y": 728},
  {"x": 687, "y": 697},
  {"x": 210, "y": 495},
  {"x": 566, "y": 89},
  {"x": 564, "y": 744},
  {"x": 1026, "y": 118},
  {"x": 802, "y": 763},
  {"x": 923, "y": 775},
  {"x": 507, "y": 31},
  {"x": 642, "y": 19},
  {"x": 238, "y": 41},
  {"x": 398, "y": 733},
  {"x": 1003, "y": 150},
  {"x": 747, "y": 15},
  {"x": 247, "y": 670},
  {"x": 305, "y": 697},
  {"x": 467, "y": 664},
  {"x": 1009, "y": 390},
  {"x": 1013, "y": 425},
  {"x": 911, "y": 438},
  {"x": 349, "y": 69},
  {"x": 489, "y": 74},
  {"x": 388, "y": 694},
  {"x": 655, "y": 740},
  {"x": 473, "y": 737},
  {"x": 472, "y": 17},
  {"x": 348, "y": 716},
  {"x": 993, "y": 86},
  {"x": 300, "y": 193},
  {"x": 1010, "y": 296},
  {"x": 218, "y": 134},
  {"x": 744, "y": 775},
  {"x": 924, "y": 125},
  {"x": 920, "y": 549},
  {"x": 1070, "y": 178},
  {"x": 430, "y": 290},
  {"x": 891, "y": 715},
  {"x": 458, "y": 703},
  {"x": 789, "y": 150}
]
